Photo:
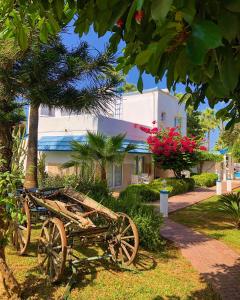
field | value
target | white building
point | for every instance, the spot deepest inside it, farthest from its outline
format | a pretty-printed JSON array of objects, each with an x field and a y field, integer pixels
[{"x": 58, "y": 128}]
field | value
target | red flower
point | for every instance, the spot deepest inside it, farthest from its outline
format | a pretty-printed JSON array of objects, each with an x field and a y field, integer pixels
[
  {"x": 145, "y": 129},
  {"x": 202, "y": 148},
  {"x": 154, "y": 130},
  {"x": 120, "y": 23},
  {"x": 139, "y": 16},
  {"x": 154, "y": 122}
]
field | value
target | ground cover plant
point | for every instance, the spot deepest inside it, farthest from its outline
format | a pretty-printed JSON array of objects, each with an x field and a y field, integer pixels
[
  {"x": 207, "y": 217},
  {"x": 205, "y": 179},
  {"x": 165, "y": 274}
]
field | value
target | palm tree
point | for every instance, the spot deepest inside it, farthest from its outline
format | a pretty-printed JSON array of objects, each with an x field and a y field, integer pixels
[
  {"x": 101, "y": 150},
  {"x": 75, "y": 80},
  {"x": 209, "y": 122}
]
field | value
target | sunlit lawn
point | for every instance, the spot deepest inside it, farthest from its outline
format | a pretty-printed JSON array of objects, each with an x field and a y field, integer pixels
[
  {"x": 206, "y": 217},
  {"x": 166, "y": 275}
]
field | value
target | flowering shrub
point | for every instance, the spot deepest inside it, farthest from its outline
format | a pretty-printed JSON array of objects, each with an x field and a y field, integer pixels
[{"x": 172, "y": 150}]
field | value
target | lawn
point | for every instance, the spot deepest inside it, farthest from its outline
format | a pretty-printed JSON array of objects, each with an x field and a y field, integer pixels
[
  {"x": 166, "y": 275},
  {"x": 205, "y": 217}
]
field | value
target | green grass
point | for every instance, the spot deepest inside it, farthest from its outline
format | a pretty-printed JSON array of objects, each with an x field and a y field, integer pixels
[
  {"x": 205, "y": 217},
  {"x": 165, "y": 275}
]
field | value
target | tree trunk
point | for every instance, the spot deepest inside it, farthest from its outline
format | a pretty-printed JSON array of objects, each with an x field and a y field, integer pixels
[
  {"x": 31, "y": 180},
  {"x": 7, "y": 279},
  {"x": 103, "y": 174},
  {"x": 6, "y": 143}
]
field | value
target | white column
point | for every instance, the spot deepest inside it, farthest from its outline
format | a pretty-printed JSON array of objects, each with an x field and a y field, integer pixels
[
  {"x": 164, "y": 203},
  {"x": 219, "y": 187},
  {"x": 229, "y": 185}
]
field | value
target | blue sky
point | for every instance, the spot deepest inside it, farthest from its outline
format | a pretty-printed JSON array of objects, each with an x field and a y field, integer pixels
[{"x": 72, "y": 40}]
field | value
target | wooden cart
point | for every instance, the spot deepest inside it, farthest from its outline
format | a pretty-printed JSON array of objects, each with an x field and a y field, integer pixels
[{"x": 72, "y": 218}]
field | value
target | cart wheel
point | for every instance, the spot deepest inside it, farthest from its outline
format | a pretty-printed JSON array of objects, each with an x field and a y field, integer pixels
[
  {"x": 22, "y": 231},
  {"x": 124, "y": 246},
  {"x": 52, "y": 249}
]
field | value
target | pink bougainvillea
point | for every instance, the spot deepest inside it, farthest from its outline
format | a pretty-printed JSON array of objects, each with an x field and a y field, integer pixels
[{"x": 173, "y": 150}]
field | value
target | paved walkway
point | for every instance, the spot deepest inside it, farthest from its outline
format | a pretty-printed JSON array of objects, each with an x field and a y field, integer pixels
[
  {"x": 184, "y": 200},
  {"x": 216, "y": 263}
]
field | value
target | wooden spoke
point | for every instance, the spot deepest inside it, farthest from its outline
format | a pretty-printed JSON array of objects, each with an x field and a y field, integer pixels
[
  {"x": 126, "y": 231},
  {"x": 127, "y": 237},
  {"x": 126, "y": 252},
  {"x": 127, "y": 244},
  {"x": 52, "y": 248},
  {"x": 22, "y": 231}
]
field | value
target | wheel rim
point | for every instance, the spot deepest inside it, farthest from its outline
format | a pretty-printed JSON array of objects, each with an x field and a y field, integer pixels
[
  {"x": 22, "y": 231},
  {"x": 124, "y": 246},
  {"x": 52, "y": 249}
]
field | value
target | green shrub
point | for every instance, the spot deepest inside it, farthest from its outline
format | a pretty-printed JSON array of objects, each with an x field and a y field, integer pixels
[
  {"x": 95, "y": 189},
  {"x": 205, "y": 179},
  {"x": 150, "y": 192},
  {"x": 140, "y": 192},
  {"x": 174, "y": 186},
  {"x": 146, "y": 219},
  {"x": 230, "y": 204}
]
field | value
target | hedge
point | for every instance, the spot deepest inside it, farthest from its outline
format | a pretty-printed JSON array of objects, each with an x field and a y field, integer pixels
[
  {"x": 205, "y": 179},
  {"x": 150, "y": 192}
]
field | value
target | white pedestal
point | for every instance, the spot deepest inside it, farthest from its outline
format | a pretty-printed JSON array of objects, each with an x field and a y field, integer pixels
[
  {"x": 164, "y": 203},
  {"x": 229, "y": 185},
  {"x": 219, "y": 187}
]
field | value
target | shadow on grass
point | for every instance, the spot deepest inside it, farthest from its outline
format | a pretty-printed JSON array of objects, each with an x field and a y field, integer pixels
[{"x": 87, "y": 272}]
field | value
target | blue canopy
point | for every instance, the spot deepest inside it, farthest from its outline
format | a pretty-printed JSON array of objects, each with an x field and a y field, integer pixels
[{"x": 63, "y": 143}]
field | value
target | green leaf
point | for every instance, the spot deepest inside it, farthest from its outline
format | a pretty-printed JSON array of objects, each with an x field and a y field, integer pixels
[
  {"x": 205, "y": 35},
  {"x": 233, "y": 5},
  {"x": 160, "y": 9},
  {"x": 143, "y": 57},
  {"x": 209, "y": 33},
  {"x": 188, "y": 11},
  {"x": 43, "y": 33},
  {"x": 140, "y": 83},
  {"x": 229, "y": 72},
  {"x": 229, "y": 32},
  {"x": 22, "y": 38},
  {"x": 196, "y": 50},
  {"x": 139, "y": 4},
  {"x": 130, "y": 14},
  {"x": 59, "y": 6}
]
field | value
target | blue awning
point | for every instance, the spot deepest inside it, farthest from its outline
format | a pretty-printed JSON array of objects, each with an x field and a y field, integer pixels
[{"x": 63, "y": 143}]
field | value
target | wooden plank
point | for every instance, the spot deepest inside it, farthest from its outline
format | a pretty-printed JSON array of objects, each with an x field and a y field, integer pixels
[{"x": 90, "y": 203}]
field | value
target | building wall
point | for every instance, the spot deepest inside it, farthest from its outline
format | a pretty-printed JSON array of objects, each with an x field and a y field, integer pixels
[
  {"x": 78, "y": 125},
  {"x": 148, "y": 106},
  {"x": 54, "y": 160}
]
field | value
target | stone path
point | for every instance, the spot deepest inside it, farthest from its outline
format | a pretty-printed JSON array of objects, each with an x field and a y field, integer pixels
[
  {"x": 184, "y": 200},
  {"x": 216, "y": 263}
]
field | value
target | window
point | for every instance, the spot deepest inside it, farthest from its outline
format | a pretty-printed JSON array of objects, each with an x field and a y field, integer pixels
[
  {"x": 47, "y": 111},
  {"x": 114, "y": 175},
  {"x": 163, "y": 116},
  {"x": 177, "y": 121}
]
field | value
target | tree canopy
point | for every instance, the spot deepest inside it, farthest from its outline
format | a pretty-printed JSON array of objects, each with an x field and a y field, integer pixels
[{"x": 189, "y": 41}]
